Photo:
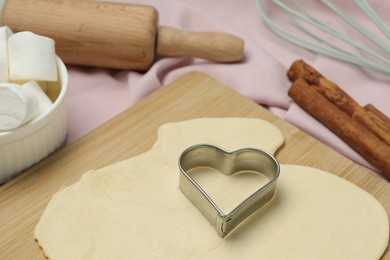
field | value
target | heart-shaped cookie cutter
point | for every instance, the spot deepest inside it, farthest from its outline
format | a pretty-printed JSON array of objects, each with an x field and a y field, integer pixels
[{"x": 228, "y": 163}]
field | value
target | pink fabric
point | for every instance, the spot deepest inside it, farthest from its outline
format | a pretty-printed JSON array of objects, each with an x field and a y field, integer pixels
[{"x": 96, "y": 95}]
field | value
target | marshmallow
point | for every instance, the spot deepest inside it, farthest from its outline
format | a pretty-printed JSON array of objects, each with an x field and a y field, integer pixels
[
  {"x": 5, "y": 33},
  {"x": 43, "y": 84},
  {"x": 43, "y": 100},
  {"x": 17, "y": 106},
  {"x": 31, "y": 57}
]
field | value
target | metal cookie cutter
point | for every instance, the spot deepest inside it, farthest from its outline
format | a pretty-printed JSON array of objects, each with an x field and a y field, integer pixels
[{"x": 247, "y": 159}]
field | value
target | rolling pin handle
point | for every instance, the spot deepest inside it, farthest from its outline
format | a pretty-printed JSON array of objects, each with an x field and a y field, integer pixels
[{"x": 213, "y": 46}]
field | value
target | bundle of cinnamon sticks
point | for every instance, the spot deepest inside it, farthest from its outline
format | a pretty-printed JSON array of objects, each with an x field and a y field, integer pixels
[{"x": 365, "y": 129}]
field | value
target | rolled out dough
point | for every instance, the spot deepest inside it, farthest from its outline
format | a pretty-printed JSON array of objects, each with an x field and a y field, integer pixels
[{"x": 135, "y": 210}]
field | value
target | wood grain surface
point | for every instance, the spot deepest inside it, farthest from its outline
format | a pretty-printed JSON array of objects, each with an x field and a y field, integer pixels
[
  {"x": 114, "y": 35},
  {"x": 196, "y": 95},
  {"x": 92, "y": 33}
]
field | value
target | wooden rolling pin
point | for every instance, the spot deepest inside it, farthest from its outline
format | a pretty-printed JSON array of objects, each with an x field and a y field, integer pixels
[{"x": 114, "y": 35}]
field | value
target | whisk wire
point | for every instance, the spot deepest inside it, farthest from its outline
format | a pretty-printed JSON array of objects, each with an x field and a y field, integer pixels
[
  {"x": 325, "y": 47},
  {"x": 339, "y": 35},
  {"x": 356, "y": 25},
  {"x": 366, "y": 7}
]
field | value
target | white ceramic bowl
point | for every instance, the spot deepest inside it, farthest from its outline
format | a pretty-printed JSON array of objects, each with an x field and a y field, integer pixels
[{"x": 30, "y": 143}]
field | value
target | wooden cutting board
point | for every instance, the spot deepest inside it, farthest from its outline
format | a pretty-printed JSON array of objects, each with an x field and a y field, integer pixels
[{"x": 23, "y": 199}]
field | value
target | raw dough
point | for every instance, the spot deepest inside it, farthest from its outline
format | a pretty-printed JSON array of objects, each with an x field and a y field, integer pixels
[{"x": 134, "y": 209}]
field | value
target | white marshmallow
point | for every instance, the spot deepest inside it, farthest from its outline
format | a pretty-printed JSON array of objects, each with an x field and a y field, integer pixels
[
  {"x": 31, "y": 57},
  {"x": 43, "y": 84},
  {"x": 44, "y": 101},
  {"x": 17, "y": 106},
  {"x": 5, "y": 33}
]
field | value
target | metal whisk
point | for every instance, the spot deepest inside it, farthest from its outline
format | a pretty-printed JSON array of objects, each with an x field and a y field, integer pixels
[{"x": 316, "y": 34}]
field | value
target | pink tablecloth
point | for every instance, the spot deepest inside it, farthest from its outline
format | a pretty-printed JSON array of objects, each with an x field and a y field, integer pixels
[{"x": 96, "y": 95}]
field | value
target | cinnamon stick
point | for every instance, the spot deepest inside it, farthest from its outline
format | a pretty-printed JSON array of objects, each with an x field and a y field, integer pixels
[
  {"x": 374, "y": 124},
  {"x": 299, "y": 69},
  {"x": 378, "y": 113},
  {"x": 371, "y": 118},
  {"x": 353, "y": 133}
]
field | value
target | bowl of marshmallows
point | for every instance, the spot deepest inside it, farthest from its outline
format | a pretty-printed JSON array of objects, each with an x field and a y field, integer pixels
[{"x": 33, "y": 86}]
